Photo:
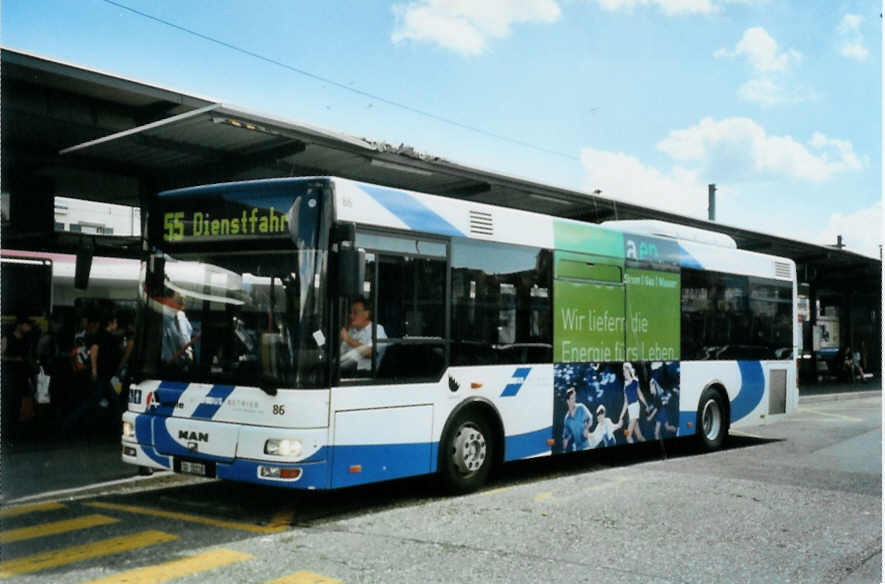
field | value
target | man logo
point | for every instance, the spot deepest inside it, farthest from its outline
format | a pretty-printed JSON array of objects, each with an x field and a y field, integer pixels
[{"x": 193, "y": 436}]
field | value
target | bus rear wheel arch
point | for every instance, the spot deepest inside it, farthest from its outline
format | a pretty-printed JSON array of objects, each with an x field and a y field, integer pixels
[
  {"x": 712, "y": 418},
  {"x": 469, "y": 449}
]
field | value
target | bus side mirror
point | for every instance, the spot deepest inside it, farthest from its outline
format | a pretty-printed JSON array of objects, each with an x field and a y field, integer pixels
[{"x": 351, "y": 270}]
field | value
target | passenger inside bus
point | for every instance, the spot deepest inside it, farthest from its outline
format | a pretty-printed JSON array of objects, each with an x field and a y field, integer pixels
[
  {"x": 356, "y": 340},
  {"x": 178, "y": 338}
]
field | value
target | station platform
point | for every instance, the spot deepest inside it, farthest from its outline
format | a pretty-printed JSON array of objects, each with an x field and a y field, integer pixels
[{"x": 839, "y": 389}]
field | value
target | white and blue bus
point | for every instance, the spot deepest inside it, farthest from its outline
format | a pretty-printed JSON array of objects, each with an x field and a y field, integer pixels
[{"x": 319, "y": 333}]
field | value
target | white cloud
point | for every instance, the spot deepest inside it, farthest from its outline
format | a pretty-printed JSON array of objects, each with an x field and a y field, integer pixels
[
  {"x": 861, "y": 230},
  {"x": 852, "y": 46},
  {"x": 855, "y": 51},
  {"x": 768, "y": 92},
  {"x": 849, "y": 24},
  {"x": 672, "y": 7},
  {"x": 669, "y": 7},
  {"x": 770, "y": 64},
  {"x": 464, "y": 26},
  {"x": 740, "y": 149},
  {"x": 625, "y": 178},
  {"x": 762, "y": 51}
]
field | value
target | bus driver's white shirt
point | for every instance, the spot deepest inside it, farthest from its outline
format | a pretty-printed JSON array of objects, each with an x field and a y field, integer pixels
[{"x": 364, "y": 337}]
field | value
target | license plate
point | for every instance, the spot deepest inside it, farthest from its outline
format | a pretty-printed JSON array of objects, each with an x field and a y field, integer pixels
[{"x": 197, "y": 468}]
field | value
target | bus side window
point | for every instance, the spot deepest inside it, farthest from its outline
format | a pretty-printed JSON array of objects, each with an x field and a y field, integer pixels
[
  {"x": 411, "y": 304},
  {"x": 501, "y": 304}
]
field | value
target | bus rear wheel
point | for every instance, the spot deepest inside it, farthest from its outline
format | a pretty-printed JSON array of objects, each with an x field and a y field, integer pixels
[
  {"x": 466, "y": 453},
  {"x": 712, "y": 422}
]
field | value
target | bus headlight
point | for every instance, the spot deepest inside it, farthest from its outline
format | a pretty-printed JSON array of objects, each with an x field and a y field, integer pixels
[
  {"x": 284, "y": 447},
  {"x": 128, "y": 429}
]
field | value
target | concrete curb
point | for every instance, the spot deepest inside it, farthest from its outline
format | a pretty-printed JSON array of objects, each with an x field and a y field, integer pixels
[
  {"x": 158, "y": 480},
  {"x": 809, "y": 399}
]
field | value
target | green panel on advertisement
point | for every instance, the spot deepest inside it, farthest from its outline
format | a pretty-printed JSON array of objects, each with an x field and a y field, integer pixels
[
  {"x": 587, "y": 238},
  {"x": 653, "y": 317},
  {"x": 589, "y": 322}
]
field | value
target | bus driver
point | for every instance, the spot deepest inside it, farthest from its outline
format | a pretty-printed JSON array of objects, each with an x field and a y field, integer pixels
[{"x": 356, "y": 341}]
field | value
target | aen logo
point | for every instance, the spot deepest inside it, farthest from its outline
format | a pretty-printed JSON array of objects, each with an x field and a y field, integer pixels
[{"x": 644, "y": 251}]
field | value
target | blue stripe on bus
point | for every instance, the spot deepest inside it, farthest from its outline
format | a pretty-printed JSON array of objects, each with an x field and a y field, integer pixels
[
  {"x": 686, "y": 260},
  {"x": 748, "y": 398},
  {"x": 379, "y": 462},
  {"x": 314, "y": 475},
  {"x": 513, "y": 388},
  {"x": 686, "y": 423},
  {"x": 752, "y": 389},
  {"x": 411, "y": 211},
  {"x": 207, "y": 411},
  {"x": 144, "y": 437},
  {"x": 528, "y": 444}
]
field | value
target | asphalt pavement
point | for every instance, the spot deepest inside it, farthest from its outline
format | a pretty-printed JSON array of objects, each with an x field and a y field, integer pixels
[
  {"x": 39, "y": 468},
  {"x": 797, "y": 500}
]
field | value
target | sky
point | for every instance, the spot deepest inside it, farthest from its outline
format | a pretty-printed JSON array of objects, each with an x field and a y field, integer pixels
[{"x": 777, "y": 102}]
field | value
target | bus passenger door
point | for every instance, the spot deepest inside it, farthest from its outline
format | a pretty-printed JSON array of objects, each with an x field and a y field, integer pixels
[{"x": 383, "y": 404}]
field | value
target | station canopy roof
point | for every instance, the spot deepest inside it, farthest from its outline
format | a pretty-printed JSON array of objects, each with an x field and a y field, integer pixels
[{"x": 117, "y": 139}]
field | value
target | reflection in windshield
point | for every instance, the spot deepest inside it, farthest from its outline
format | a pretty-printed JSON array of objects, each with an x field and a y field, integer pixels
[{"x": 237, "y": 318}]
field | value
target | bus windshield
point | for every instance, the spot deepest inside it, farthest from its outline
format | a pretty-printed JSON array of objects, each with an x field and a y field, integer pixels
[
  {"x": 233, "y": 291},
  {"x": 239, "y": 318}
]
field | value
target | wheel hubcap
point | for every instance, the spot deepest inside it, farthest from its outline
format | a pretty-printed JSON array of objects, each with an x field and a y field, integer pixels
[
  {"x": 711, "y": 420},
  {"x": 469, "y": 449}
]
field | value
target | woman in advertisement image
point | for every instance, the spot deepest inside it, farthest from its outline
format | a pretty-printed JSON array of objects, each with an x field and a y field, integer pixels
[{"x": 632, "y": 398}]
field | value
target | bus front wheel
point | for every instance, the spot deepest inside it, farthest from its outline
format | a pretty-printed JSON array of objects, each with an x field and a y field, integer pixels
[
  {"x": 466, "y": 453},
  {"x": 712, "y": 421}
]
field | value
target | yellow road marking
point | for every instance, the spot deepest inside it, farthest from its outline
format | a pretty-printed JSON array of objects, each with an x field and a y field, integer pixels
[
  {"x": 828, "y": 414},
  {"x": 746, "y": 434},
  {"x": 606, "y": 483},
  {"x": 494, "y": 491},
  {"x": 282, "y": 518},
  {"x": 54, "y": 528},
  {"x": 188, "y": 517},
  {"x": 78, "y": 553},
  {"x": 176, "y": 568},
  {"x": 23, "y": 509},
  {"x": 304, "y": 577}
]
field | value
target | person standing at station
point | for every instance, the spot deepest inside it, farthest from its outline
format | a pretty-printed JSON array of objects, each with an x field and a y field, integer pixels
[
  {"x": 19, "y": 368},
  {"x": 104, "y": 358}
]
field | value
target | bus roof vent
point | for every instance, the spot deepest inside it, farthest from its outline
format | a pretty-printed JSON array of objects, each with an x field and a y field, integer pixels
[
  {"x": 783, "y": 270},
  {"x": 672, "y": 231},
  {"x": 481, "y": 224}
]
